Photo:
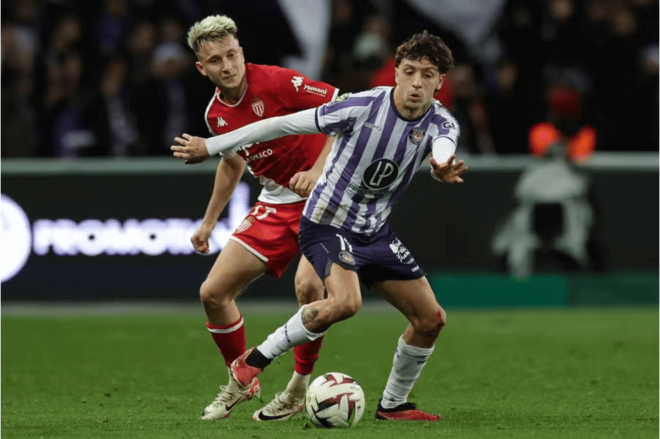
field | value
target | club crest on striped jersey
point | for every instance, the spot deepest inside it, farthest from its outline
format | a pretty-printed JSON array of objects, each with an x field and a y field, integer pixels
[
  {"x": 258, "y": 106},
  {"x": 341, "y": 98},
  {"x": 246, "y": 224},
  {"x": 416, "y": 135}
]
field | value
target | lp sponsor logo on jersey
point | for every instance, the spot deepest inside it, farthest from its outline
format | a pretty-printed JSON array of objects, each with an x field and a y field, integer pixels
[
  {"x": 416, "y": 135},
  {"x": 222, "y": 122},
  {"x": 258, "y": 106},
  {"x": 297, "y": 82},
  {"x": 380, "y": 174}
]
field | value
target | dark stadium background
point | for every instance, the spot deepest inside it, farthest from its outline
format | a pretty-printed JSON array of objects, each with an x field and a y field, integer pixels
[{"x": 65, "y": 64}]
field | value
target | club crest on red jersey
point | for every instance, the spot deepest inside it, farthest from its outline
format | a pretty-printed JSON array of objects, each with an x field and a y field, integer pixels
[{"x": 258, "y": 106}]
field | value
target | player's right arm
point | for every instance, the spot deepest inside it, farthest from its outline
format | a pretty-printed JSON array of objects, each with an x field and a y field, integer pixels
[
  {"x": 229, "y": 173},
  {"x": 338, "y": 118},
  {"x": 196, "y": 149}
]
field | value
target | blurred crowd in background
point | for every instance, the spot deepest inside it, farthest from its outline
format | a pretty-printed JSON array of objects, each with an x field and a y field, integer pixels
[{"x": 116, "y": 78}]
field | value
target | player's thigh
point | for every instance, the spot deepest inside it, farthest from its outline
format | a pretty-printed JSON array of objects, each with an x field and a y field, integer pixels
[
  {"x": 329, "y": 251},
  {"x": 233, "y": 270},
  {"x": 415, "y": 299},
  {"x": 309, "y": 287},
  {"x": 267, "y": 233}
]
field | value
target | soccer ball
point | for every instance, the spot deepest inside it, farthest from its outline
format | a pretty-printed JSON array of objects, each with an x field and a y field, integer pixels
[{"x": 334, "y": 400}]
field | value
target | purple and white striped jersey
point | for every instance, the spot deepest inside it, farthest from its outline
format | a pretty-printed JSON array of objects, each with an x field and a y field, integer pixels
[{"x": 374, "y": 158}]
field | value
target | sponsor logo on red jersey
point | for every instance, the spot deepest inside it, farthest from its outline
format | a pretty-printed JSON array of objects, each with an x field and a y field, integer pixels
[
  {"x": 316, "y": 90},
  {"x": 297, "y": 81}
]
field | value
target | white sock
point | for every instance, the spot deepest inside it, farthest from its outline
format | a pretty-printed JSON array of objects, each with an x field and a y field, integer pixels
[
  {"x": 298, "y": 385},
  {"x": 286, "y": 337},
  {"x": 408, "y": 364}
]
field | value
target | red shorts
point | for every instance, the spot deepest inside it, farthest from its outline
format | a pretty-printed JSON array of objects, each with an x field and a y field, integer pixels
[{"x": 270, "y": 232}]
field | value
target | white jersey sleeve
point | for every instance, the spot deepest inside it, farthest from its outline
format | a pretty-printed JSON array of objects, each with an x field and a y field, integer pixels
[
  {"x": 301, "y": 122},
  {"x": 443, "y": 148},
  {"x": 445, "y": 142},
  {"x": 339, "y": 116}
]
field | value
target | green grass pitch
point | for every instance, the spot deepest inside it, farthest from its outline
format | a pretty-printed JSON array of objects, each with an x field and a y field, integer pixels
[{"x": 494, "y": 374}]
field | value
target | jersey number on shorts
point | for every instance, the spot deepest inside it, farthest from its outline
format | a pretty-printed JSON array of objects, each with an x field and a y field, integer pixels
[
  {"x": 268, "y": 211},
  {"x": 345, "y": 245}
]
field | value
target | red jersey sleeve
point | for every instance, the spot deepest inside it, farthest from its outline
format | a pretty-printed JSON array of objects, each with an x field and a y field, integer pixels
[{"x": 297, "y": 92}]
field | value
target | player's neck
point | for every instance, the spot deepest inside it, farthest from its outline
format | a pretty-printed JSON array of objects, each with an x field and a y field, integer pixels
[
  {"x": 233, "y": 95},
  {"x": 407, "y": 112}
]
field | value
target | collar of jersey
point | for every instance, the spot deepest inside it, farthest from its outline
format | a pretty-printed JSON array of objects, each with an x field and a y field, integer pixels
[
  {"x": 217, "y": 95},
  {"x": 399, "y": 114}
]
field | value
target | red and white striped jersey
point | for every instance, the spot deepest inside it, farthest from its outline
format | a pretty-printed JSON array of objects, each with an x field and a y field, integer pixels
[{"x": 273, "y": 91}]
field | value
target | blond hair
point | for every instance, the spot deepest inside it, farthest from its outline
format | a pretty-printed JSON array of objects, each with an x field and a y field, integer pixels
[{"x": 212, "y": 28}]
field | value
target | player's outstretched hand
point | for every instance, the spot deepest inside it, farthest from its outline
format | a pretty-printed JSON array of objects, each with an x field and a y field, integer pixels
[
  {"x": 303, "y": 182},
  {"x": 200, "y": 239},
  {"x": 449, "y": 172},
  {"x": 191, "y": 149}
]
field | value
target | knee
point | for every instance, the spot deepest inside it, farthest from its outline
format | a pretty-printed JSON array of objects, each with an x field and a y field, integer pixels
[
  {"x": 211, "y": 296},
  {"x": 431, "y": 323},
  {"x": 308, "y": 290},
  {"x": 348, "y": 307}
]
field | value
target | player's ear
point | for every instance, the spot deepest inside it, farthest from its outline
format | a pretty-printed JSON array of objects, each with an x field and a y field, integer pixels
[
  {"x": 396, "y": 75},
  {"x": 442, "y": 79},
  {"x": 200, "y": 67}
]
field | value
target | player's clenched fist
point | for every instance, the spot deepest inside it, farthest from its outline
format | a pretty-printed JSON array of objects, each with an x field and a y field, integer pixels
[
  {"x": 192, "y": 149},
  {"x": 449, "y": 172},
  {"x": 303, "y": 182},
  {"x": 200, "y": 239}
]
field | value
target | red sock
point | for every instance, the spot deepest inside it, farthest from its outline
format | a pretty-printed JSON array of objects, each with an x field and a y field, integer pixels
[
  {"x": 230, "y": 339},
  {"x": 306, "y": 355}
]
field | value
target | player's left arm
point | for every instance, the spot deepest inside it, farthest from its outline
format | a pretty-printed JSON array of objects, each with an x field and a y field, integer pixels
[
  {"x": 444, "y": 167},
  {"x": 303, "y": 182},
  {"x": 443, "y": 164}
]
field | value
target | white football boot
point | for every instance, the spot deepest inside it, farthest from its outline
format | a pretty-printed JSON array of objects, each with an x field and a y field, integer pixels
[
  {"x": 229, "y": 397},
  {"x": 281, "y": 408}
]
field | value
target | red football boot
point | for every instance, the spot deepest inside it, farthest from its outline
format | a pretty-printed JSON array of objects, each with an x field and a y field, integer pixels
[
  {"x": 243, "y": 372},
  {"x": 405, "y": 412}
]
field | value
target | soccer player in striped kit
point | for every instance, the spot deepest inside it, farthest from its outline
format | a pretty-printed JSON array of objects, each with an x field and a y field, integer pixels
[
  {"x": 383, "y": 136},
  {"x": 267, "y": 240}
]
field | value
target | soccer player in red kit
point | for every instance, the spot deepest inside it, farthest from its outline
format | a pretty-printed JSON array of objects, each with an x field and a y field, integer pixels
[{"x": 267, "y": 239}]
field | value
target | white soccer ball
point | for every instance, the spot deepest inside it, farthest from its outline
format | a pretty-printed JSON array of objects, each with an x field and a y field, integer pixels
[{"x": 334, "y": 400}]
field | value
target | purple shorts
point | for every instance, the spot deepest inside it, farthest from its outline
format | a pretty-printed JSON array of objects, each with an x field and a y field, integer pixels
[{"x": 375, "y": 258}]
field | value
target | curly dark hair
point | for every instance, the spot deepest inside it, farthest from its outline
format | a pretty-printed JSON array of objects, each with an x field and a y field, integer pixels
[{"x": 428, "y": 46}]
